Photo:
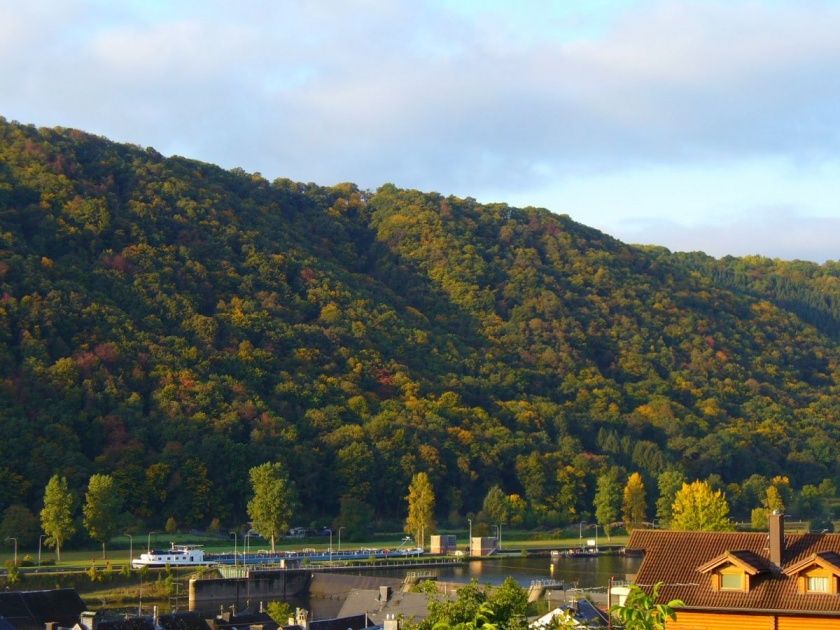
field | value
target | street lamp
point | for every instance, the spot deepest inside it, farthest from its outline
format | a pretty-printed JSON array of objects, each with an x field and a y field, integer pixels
[
  {"x": 339, "y": 537},
  {"x": 130, "y": 549},
  {"x": 330, "y": 531},
  {"x": 500, "y": 536},
  {"x": 247, "y": 547},
  {"x": 40, "y": 538},
  {"x": 235, "y": 548},
  {"x": 149, "y": 541},
  {"x": 14, "y": 539},
  {"x": 469, "y": 540}
]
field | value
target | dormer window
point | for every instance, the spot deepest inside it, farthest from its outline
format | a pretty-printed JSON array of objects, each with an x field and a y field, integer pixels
[
  {"x": 817, "y": 574},
  {"x": 733, "y": 570}
]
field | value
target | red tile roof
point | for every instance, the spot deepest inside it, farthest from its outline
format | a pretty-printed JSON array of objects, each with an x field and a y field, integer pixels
[{"x": 676, "y": 557}]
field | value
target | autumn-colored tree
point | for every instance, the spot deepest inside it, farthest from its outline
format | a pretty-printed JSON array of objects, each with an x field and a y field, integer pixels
[
  {"x": 699, "y": 508},
  {"x": 634, "y": 503},
  {"x": 421, "y": 508}
]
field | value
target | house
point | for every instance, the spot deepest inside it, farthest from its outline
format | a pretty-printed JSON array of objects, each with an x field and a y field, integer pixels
[
  {"x": 581, "y": 613},
  {"x": 744, "y": 580},
  {"x": 33, "y": 609},
  {"x": 377, "y": 605}
]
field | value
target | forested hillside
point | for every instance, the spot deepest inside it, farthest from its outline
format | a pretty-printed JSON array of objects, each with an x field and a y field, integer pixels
[{"x": 175, "y": 324}]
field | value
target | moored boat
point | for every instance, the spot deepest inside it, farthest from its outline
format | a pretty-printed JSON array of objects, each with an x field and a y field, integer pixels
[{"x": 175, "y": 556}]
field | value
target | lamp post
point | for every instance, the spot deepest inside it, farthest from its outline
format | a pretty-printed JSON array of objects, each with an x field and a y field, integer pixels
[
  {"x": 149, "y": 541},
  {"x": 469, "y": 540},
  {"x": 247, "y": 548},
  {"x": 130, "y": 549},
  {"x": 15, "y": 540},
  {"x": 235, "y": 548},
  {"x": 500, "y": 536},
  {"x": 339, "y": 537},
  {"x": 330, "y": 531},
  {"x": 40, "y": 538}
]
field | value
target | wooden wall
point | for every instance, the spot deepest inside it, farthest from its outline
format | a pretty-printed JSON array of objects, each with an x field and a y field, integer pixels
[{"x": 687, "y": 620}]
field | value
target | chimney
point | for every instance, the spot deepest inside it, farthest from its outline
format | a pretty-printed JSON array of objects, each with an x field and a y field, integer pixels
[
  {"x": 391, "y": 622},
  {"x": 777, "y": 537},
  {"x": 384, "y": 593}
]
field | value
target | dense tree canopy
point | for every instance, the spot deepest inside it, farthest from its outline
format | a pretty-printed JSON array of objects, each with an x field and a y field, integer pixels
[{"x": 173, "y": 325}]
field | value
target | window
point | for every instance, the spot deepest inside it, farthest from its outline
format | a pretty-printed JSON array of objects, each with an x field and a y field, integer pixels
[
  {"x": 818, "y": 585},
  {"x": 731, "y": 581}
]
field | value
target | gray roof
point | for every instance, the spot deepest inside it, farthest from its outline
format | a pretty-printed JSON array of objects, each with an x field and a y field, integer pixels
[
  {"x": 31, "y": 609},
  {"x": 360, "y": 601}
]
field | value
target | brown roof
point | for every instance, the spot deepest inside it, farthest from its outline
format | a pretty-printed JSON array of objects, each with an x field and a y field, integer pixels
[
  {"x": 826, "y": 559},
  {"x": 676, "y": 558},
  {"x": 747, "y": 560}
]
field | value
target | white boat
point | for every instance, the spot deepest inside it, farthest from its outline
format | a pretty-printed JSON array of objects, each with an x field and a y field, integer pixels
[{"x": 175, "y": 556}]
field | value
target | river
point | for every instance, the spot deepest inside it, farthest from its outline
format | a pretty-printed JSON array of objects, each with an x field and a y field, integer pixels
[
  {"x": 583, "y": 573},
  {"x": 579, "y": 572}
]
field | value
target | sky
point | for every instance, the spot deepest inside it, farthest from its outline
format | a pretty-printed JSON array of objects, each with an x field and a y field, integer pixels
[{"x": 696, "y": 125}]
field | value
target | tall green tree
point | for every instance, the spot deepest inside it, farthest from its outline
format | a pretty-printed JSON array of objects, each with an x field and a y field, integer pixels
[
  {"x": 496, "y": 505},
  {"x": 699, "y": 508},
  {"x": 634, "y": 503},
  {"x": 101, "y": 511},
  {"x": 608, "y": 499},
  {"x": 669, "y": 483},
  {"x": 57, "y": 513},
  {"x": 421, "y": 508},
  {"x": 273, "y": 500}
]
